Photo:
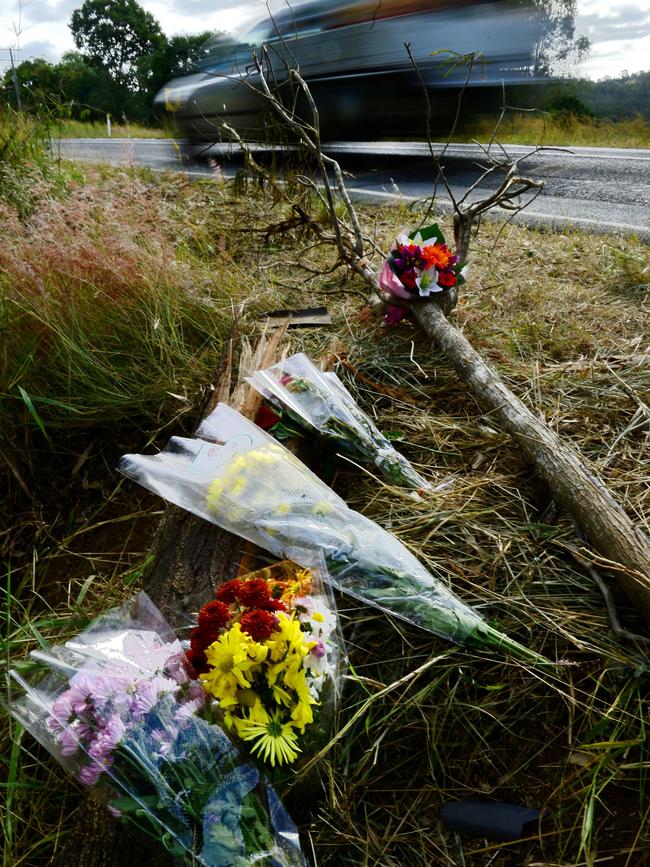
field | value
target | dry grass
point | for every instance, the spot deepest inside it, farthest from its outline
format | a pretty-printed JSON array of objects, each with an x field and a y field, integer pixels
[
  {"x": 564, "y": 318},
  {"x": 560, "y": 129}
]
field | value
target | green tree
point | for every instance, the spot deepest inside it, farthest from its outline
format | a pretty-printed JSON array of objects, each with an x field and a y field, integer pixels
[
  {"x": 178, "y": 55},
  {"x": 116, "y": 35},
  {"x": 557, "y": 48}
]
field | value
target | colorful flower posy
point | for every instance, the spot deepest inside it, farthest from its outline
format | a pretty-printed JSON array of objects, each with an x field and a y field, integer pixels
[
  {"x": 418, "y": 265},
  {"x": 262, "y": 649}
]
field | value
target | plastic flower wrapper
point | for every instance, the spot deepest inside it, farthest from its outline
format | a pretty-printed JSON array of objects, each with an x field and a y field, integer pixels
[
  {"x": 419, "y": 264},
  {"x": 268, "y": 648},
  {"x": 118, "y": 710},
  {"x": 319, "y": 401},
  {"x": 252, "y": 486}
]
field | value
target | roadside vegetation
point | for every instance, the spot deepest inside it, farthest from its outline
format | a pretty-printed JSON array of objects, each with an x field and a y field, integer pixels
[
  {"x": 71, "y": 128},
  {"x": 564, "y": 129},
  {"x": 118, "y": 289}
]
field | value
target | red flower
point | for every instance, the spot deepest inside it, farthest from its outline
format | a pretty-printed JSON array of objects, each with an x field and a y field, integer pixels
[
  {"x": 408, "y": 279},
  {"x": 273, "y": 605},
  {"x": 259, "y": 624},
  {"x": 229, "y": 592},
  {"x": 203, "y": 636},
  {"x": 447, "y": 278},
  {"x": 214, "y": 615},
  {"x": 254, "y": 593},
  {"x": 196, "y": 661},
  {"x": 266, "y": 417}
]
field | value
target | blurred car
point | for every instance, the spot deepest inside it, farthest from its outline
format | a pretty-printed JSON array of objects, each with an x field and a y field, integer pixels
[{"x": 353, "y": 56}]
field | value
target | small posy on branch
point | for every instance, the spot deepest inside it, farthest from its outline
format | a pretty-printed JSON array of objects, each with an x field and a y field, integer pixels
[{"x": 575, "y": 486}]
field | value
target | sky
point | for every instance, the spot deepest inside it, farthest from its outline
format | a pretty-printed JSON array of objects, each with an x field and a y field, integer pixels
[{"x": 619, "y": 31}]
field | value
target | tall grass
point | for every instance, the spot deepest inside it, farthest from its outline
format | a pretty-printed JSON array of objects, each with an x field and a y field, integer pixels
[
  {"x": 534, "y": 128},
  {"x": 97, "y": 129}
]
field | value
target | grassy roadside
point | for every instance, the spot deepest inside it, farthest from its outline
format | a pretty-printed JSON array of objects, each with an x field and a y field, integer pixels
[
  {"x": 517, "y": 128},
  {"x": 98, "y": 129},
  {"x": 566, "y": 130},
  {"x": 113, "y": 323}
]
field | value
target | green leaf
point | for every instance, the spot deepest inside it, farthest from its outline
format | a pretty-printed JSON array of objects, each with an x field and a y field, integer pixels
[
  {"x": 32, "y": 411},
  {"x": 428, "y": 232}
]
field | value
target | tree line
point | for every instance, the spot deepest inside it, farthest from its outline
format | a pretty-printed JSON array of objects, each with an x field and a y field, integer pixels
[{"x": 122, "y": 59}]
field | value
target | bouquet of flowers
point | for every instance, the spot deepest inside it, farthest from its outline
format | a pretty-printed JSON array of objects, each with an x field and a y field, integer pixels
[
  {"x": 419, "y": 264},
  {"x": 250, "y": 485},
  {"x": 119, "y": 711},
  {"x": 321, "y": 402},
  {"x": 266, "y": 648}
]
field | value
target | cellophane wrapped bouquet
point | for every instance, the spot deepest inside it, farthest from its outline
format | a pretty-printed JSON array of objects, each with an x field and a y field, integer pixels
[
  {"x": 119, "y": 711},
  {"x": 249, "y": 484},
  {"x": 320, "y": 402},
  {"x": 268, "y": 650},
  {"x": 419, "y": 264}
]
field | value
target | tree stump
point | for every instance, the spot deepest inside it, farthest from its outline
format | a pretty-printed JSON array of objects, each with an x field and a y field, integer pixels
[{"x": 191, "y": 557}]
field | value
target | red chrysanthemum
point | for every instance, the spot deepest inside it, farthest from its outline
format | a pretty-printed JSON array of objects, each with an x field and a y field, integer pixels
[
  {"x": 196, "y": 662},
  {"x": 214, "y": 615},
  {"x": 447, "y": 278},
  {"x": 273, "y": 605},
  {"x": 258, "y": 624},
  {"x": 229, "y": 592},
  {"x": 203, "y": 636},
  {"x": 254, "y": 593}
]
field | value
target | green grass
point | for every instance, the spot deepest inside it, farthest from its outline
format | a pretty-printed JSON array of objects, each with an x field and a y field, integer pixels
[
  {"x": 116, "y": 301},
  {"x": 541, "y": 128}
]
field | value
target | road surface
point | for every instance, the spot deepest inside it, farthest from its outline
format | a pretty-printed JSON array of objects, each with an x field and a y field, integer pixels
[{"x": 596, "y": 189}]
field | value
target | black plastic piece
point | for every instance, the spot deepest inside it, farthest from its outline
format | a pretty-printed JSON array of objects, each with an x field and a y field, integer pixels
[{"x": 496, "y": 821}]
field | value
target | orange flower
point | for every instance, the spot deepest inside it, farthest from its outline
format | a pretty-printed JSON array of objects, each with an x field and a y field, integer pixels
[{"x": 438, "y": 255}]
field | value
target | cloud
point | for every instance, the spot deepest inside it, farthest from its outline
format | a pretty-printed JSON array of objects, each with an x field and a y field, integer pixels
[
  {"x": 40, "y": 48},
  {"x": 626, "y": 22}
]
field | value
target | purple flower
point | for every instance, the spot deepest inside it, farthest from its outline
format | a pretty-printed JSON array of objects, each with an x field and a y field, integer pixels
[
  {"x": 107, "y": 738},
  {"x": 319, "y": 649},
  {"x": 189, "y": 709},
  {"x": 89, "y": 774},
  {"x": 143, "y": 699},
  {"x": 408, "y": 256},
  {"x": 394, "y": 314},
  {"x": 164, "y": 740},
  {"x": 69, "y": 741}
]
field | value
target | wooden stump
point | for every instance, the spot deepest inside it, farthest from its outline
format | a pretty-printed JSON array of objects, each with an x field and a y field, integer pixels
[{"x": 190, "y": 557}]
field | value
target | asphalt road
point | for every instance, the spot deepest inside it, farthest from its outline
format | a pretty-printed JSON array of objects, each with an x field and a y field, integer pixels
[{"x": 597, "y": 189}]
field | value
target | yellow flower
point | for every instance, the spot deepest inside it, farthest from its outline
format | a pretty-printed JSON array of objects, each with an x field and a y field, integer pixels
[
  {"x": 214, "y": 493},
  {"x": 231, "y": 657},
  {"x": 275, "y": 740},
  {"x": 302, "y": 715},
  {"x": 322, "y": 508},
  {"x": 288, "y": 639}
]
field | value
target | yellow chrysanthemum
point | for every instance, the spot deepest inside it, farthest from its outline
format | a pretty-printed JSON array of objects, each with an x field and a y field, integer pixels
[
  {"x": 288, "y": 639},
  {"x": 275, "y": 740},
  {"x": 231, "y": 657}
]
